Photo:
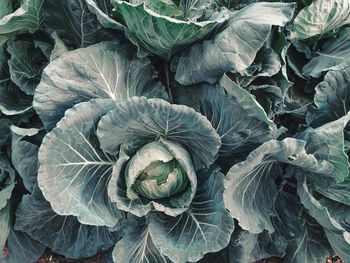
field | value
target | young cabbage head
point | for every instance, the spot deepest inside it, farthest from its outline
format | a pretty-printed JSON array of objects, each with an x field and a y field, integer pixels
[{"x": 153, "y": 172}]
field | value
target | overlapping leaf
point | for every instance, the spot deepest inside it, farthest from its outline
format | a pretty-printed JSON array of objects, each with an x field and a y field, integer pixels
[
  {"x": 105, "y": 70},
  {"x": 74, "y": 171}
]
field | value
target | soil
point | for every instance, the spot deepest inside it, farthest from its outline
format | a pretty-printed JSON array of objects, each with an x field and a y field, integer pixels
[
  {"x": 51, "y": 257},
  {"x": 270, "y": 260},
  {"x": 335, "y": 259}
]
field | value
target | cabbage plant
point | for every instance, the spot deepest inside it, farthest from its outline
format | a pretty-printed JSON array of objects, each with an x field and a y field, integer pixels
[{"x": 175, "y": 130}]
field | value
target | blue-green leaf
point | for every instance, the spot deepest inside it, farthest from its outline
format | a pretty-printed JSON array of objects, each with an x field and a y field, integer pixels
[
  {"x": 27, "y": 16},
  {"x": 105, "y": 70},
  {"x": 333, "y": 216},
  {"x": 334, "y": 55},
  {"x": 64, "y": 235},
  {"x": 25, "y": 155},
  {"x": 74, "y": 23},
  {"x": 312, "y": 246},
  {"x": 320, "y": 17},
  {"x": 26, "y": 65},
  {"x": 250, "y": 188},
  {"x": 233, "y": 50},
  {"x": 239, "y": 130},
  {"x": 141, "y": 120},
  {"x": 332, "y": 98},
  {"x": 159, "y": 33},
  {"x": 7, "y": 184},
  {"x": 22, "y": 248},
  {"x": 137, "y": 245},
  {"x": 205, "y": 227},
  {"x": 74, "y": 171}
]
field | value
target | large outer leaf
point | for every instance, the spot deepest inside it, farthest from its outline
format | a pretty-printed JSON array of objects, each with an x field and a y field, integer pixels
[
  {"x": 320, "y": 17},
  {"x": 26, "y": 17},
  {"x": 237, "y": 128},
  {"x": 334, "y": 55},
  {"x": 205, "y": 227},
  {"x": 160, "y": 34},
  {"x": 74, "y": 22},
  {"x": 139, "y": 121},
  {"x": 64, "y": 235},
  {"x": 74, "y": 172},
  {"x": 250, "y": 188},
  {"x": 332, "y": 98},
  {"x": 137, "y": 245},
  {"x": 233, "y": 50},
  {"x": 105, "y": 70}
]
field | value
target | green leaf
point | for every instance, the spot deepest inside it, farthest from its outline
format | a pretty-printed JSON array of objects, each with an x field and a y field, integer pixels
[
  {"x": 137, "y": 245},
  {"x": 59, "y": 49},
  {"x": 25, "y": 155},
  {"x": 64, "y": 235},
  {"x": 239, "y": 130},
  {"x": 334, "y": 55},
  {"x": 27, "y": 16},
  {"x": 74, "y": 172},
  {"x": 246, "y": 100},
  {"x": 12, "y": 100},
  {"x": 22, "y": 248},
  {"x": 74, "y": 23},
  {"x": 4, "y": 224},
  {"x": 140, "y": 120},
  {"x": 312, "y": 246},
  {"x": 332, "y": 136},
  {"x": 333, "y": 216},
  {"x": 103, "y": 11},
  {"x": 105, "y": 70},
  {"x": 4, "y": 130},
  {"x": 26, "y": 64},
  {"x": 332, "y": 98},
  {"x": 7, "y": 184},
  {"x": 5, "y": 7},
  {"x": 250, "y": 187},
  {"x": 161, "y": 34},
  {"x": 320, "y": 17},
  {"x": 266, "y": 64},
  {"x": 233, "y": 50},
  {"x": 205, "y": 227}
]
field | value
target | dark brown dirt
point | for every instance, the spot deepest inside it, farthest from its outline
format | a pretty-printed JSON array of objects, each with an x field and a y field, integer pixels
[
  {"x": 270, "y": 260},
  {"x": 50, "y": 257},
  {"x": 5, "y": 253},
  {"x": 335, "y": 259}
]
